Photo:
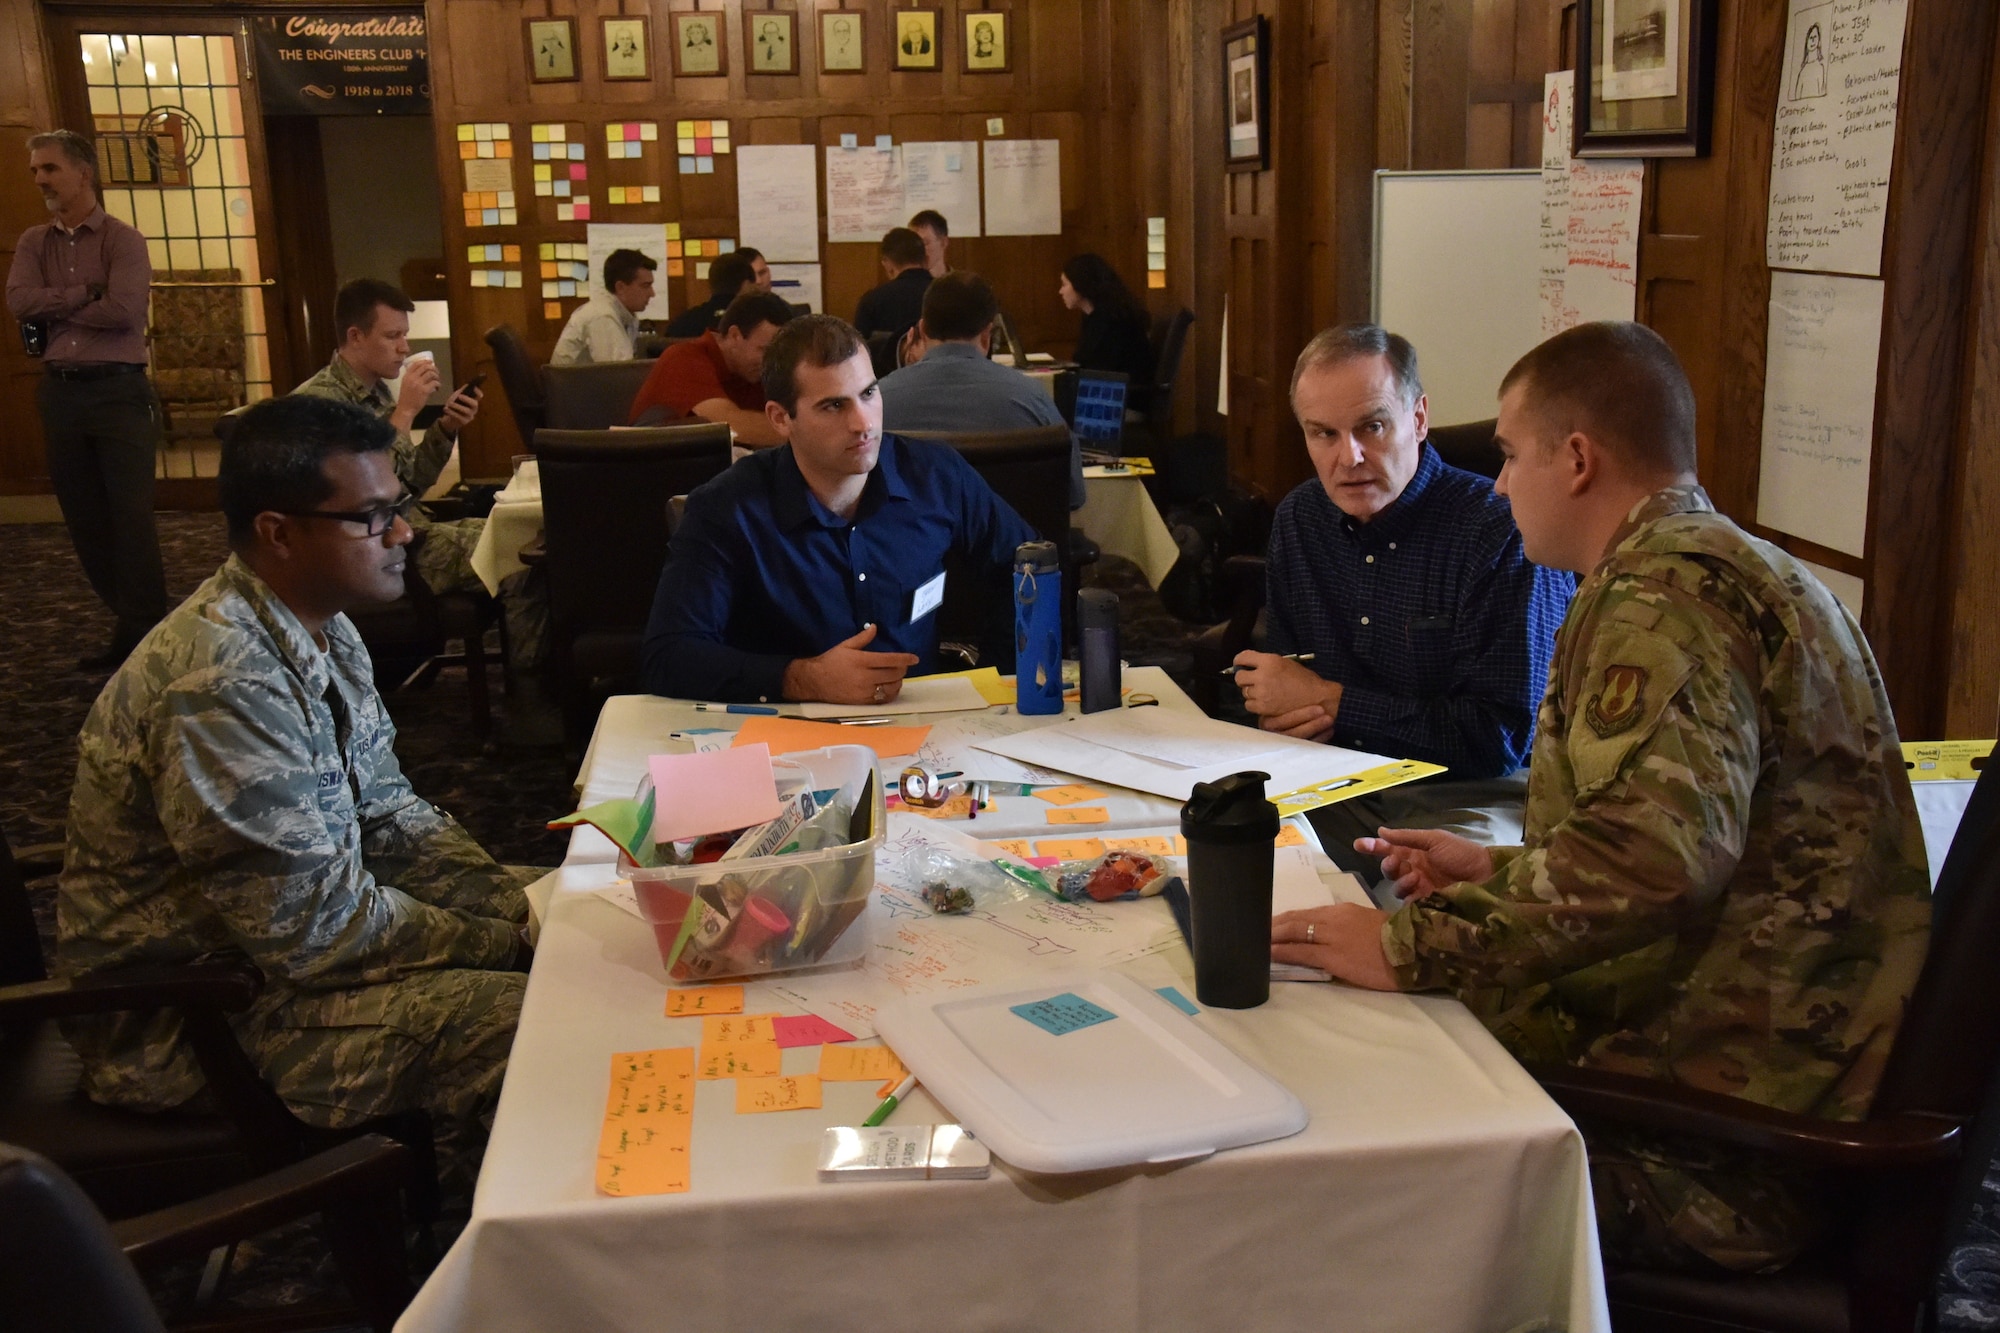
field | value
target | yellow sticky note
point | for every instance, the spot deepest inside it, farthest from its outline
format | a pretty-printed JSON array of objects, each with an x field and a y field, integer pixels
[
  {"x": 739, "y": 1059},
  {"x": 1143, "y": 846},
  {"x": 739, "y": 1027},
  {"x": 475, "y": 254},
  {"x": 1288, "y": 836},
  {"x": 859, "y": 1064},
  {"x": 644, "y": 1147},
  {"x": 1079, "y": 814},
  {"x": 1070, "y": 795},
  {"x": 790, "y": 1092},
  {"x": 466, "y": 133},
  {"x": 690, "y": 1000},
  {"x": 617, "y": 193},
  {"x": 1070, "y": 849},
  {"x": 673, "y": 231},
  {"x": 1020, "y": 847}
]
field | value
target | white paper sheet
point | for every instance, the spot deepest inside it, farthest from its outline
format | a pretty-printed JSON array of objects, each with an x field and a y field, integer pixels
[
  {"x": 1023, "y": 187},
  {"x": 648, "y": 238},
  {"x": 801, "y": 284},
  {"x": 777, "y": 201},
  {"x": 949, "y": 695},
  {"x": 1819, "y": 407},
  {"x": 1072, "y": 746},
  {"x": 950, "y": 746},
  {"x": 864, "y": 193},
  {"x": 1558, "y": 104},
  {"x": 1834, "y": 136},
  {"x": 1601, "y": 277},
  {"x": 943, "y": 176}
]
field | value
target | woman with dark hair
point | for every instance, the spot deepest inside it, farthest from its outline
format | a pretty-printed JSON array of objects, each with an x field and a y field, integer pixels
[{"x": 1116, "y": 328}]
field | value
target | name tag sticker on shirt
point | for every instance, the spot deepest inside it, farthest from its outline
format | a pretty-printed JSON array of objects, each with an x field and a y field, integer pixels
[{"x": 926, "y": 599}]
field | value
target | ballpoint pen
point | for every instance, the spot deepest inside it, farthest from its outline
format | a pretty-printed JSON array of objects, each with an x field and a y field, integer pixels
[
  {"x": 881, "y": 1113},
  {"x": 759, "y": 709},
  {"x": 1289, "y": 657}
]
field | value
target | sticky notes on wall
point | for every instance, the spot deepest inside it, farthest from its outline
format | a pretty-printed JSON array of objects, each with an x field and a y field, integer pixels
[
  {"x": 489, "y": 139},
  {"x": 1156, "y": 252},
  {"x": 698, "y": 142}
]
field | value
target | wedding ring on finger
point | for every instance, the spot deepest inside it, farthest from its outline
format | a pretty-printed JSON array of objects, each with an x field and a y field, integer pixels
[{"x": 1311, "y": 926}]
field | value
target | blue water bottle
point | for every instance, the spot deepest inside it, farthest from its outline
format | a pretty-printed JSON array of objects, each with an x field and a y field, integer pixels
[{"x": 1037, "y": 628}]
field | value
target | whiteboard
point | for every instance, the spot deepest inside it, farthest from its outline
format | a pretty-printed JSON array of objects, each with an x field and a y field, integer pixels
[{"x": 1457, "y": 262}]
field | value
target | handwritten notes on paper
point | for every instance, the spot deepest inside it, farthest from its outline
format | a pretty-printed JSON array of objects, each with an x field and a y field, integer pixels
[
  {"x": 1819, "y": 407},
  {"x": 943, "y": 176},
  {"x": 692, "y": 1000},
  {"x": 859, "y": 1064},
  {"x": 1078, "y": 814},
  {"x": 740, "y": 1059},
  {"x": 1070, "y": 794},
  {"x": 777, "y": 201},
  {"x": 864, "y": 193},
  {"x": 790, "y": 1092},
  {"x": 648, "y": 1124},
  {"x": 1834, "y": 135},
  {"x": 720, "y": 1031},
  {"x": 1590, "y": 223},
  {"x": 1023, "y": 187}
]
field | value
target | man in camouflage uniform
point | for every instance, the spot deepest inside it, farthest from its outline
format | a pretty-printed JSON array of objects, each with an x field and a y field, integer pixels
[
  {"x": 374, "y": 322},
  {"x": 237, "y": 797},
  {"x": 1722, "y": 882}
]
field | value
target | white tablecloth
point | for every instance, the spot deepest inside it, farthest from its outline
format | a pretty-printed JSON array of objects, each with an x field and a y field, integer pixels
[
  {"x": 515, "y": 519},
  {"x": 1436, "y": 1188}
]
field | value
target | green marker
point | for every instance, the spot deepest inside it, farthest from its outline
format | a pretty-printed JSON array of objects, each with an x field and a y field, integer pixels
[{"x": 889, "y": 1103}]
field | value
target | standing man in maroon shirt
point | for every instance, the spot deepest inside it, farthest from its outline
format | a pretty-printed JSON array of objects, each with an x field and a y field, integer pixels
[{"x": 85, "y": 278}]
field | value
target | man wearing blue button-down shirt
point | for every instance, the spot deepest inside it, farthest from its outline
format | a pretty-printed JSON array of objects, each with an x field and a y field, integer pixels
[
  {"x": 814, "y": 571},
  {"x": 1404, "y": 578}
]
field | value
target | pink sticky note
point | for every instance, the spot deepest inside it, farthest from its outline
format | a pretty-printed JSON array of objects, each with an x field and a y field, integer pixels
[
  {"x": 806, "y": 1030},
  {"x": 576, "y": 171},
  {"x": 703, "y": 147},
  {"x": 711, "y": 792},
  {"x": 583, "y": 212},
  {"x": 632, "y": 131}
]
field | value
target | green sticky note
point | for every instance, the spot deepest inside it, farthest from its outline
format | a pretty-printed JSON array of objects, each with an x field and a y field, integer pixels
[{"x": 627, "y": 822}]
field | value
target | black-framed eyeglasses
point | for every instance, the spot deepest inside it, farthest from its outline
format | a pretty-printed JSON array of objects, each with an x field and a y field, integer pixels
[{"x": 378, "y": 519}]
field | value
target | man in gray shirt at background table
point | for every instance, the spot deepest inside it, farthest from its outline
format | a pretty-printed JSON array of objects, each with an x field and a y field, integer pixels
[
  {"x": 951, "y": 382},
  {"x": 83, "y": 280}
]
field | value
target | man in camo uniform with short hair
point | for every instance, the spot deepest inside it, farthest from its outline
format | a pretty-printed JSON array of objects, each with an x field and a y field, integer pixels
[
  {"x": 1723, "y": 880},
  {"x": 237, "y": 797}
]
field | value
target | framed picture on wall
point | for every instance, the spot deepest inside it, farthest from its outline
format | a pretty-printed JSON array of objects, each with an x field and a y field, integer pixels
[
  {"x": 551, "y": 50},
  {"x": 773, "y": 36},
  {"x": 1645, "y": 77},
  {"x": 1246, "y": 85},
  {"x": 842, "y": 48},
  {"x": 986, "y": 40},
  {"x": 628, "y": 48},
  {"x": 917, "y": 35},
  {"x": 698, "y": 48}
]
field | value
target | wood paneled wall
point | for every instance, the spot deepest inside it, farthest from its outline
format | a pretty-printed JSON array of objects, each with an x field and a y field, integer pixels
[{"x": 25, "y": 110}]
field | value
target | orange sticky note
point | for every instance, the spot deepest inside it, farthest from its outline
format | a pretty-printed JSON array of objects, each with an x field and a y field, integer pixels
[
  {"x": 470, "y": 199},
  {"x": 489, "y": 199},
  {"x": 503, "y": 148},
  {"x": 691, "y": 1000},
  {"x": 1156, "y": 280},
  {"x": 1020, "y": 847},
  {"x": 703, "y": 129},
  {"x": 1079, "y": 814},
  {"x": 788, "y": 734},
  {"x": 644, "y": 1147},
  {"x": 1070, "y": 849},
  {"x": 739, "y": 1027},
  {"x": 472, "y": 218},
  {"x": 958, "y": 807},
  {"x": 789, "y": 1092},
  {"x": 551, "y": 310},
  {"x": 468, "y": 149},
  {"x": 1070, "y": 795},
  {"x": 740, "y": 1059},
  {"x": 1144, "y": 846},
  {"x": 510, "y": 254},
  {"x": 1288, "y": 836},
  {"x": 859, "y": 1064},
  {"x": 675, "y": 268},
  {"x": 1180, "y": 845}
]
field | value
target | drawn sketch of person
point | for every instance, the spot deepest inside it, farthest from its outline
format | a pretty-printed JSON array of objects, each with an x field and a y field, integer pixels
[
  {"x": 771, "y": 42},
  {"x": 842, "y": 44},
  {"x": 916, "y": 41},
  {"x": 1810, "y": 81},
  {"x": 697, "y": 37},
  {"x": 553, "y": 52}
]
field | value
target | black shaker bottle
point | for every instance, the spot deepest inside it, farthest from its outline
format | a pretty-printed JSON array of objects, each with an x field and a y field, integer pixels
[{"x": 1231, "y": 831}]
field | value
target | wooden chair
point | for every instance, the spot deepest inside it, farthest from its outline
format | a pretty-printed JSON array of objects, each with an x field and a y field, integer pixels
[
  {"x": 521, "y": 378},
  {"x": 1902, "y": 1174},
  {"x": 592, "y": 397},
  {"x": 604, "y": 534}
]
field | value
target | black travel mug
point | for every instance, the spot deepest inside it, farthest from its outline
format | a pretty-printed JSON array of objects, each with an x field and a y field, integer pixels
[
  {"x": 1231, "y": 831},
  {"x": 1101, "y": 674}
]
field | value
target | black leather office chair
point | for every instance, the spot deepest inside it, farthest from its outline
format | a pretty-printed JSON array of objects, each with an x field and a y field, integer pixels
[
  {"x": 592, "y": 397},
  {"x": 1169, "y": 342},
  {"x": 1469, "y": 446},
  {"x": 520, "y": 377},
  {"x": 604, "y": 529}
]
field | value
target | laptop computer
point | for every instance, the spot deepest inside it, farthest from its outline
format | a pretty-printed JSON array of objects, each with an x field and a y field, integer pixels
[{"x": 1097, "y": 414}]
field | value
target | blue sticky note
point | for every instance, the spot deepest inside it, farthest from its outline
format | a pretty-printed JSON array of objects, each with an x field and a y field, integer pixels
[
  {"x": 687, "y": 166},
  {"x": 850, "y": 141},
  {"x": 576, "y": 152},
  {"x": 490, "y": 217},
  {"x": 562, "y": 189},
  {"x": 1176, "y": 999},
  {"x": 541, "y": 152},
  {"x": 883, "y": 143},
  {"x": 1065, "y": 1013},
  {"x": 704, "y": 166},
  {"x": 494, "y": 254}
]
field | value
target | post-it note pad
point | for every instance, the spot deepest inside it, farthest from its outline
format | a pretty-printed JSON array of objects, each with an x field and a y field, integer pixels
[
  {"x": 1062, "y": 1014},
  {"x": 740, "y": 1059},
  {"x": 806, "y": 1030},
  {"x": 648, "y": 1124},
  {"x": 1078, "y": 814},
  {"x": 859, "y": 1064},
  {"x": 693, "y": 1000},
  {"x": 1069, "y": 795},
  {"x": 722, "y": 1030},
  {"x": 783, "y": 735},
  {"x": 1289, "y": 836},
  {"x": 790, "y": 1092},
  {"x": 712, "y": 791}
]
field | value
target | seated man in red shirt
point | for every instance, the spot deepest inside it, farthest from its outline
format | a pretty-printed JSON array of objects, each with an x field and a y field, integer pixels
[{"x": 719, "y": 376}]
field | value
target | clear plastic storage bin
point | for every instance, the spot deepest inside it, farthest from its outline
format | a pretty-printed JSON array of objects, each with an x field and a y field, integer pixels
[{"x": 770, "y": 913}]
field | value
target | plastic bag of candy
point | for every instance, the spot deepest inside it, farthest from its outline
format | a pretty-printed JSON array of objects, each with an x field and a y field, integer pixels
[
  {"x": 1112, "y": 877},
  {"x": 952, "y": 883}
]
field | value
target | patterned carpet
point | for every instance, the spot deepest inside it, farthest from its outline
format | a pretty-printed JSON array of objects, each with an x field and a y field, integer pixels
[{"x": 504, "y": 796}]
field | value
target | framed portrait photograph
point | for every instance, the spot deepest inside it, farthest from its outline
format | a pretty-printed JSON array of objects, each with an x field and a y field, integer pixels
[
  {"x": 698, "y": 46},
  {"x": 842, "y": 48},
  {"x": 986, "y": 41},
  {"x": 773, "y": 36},
  {"x": 551, "y": 50},
  {"x": 1246, "y": 86},
  {"x": 627, "y": 48},
  {"x": 1645, "y": 77},
  {"x": 917, "y": 34}
]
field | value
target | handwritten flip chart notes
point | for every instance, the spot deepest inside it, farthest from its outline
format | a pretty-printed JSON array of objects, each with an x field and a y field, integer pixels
[
  {"x": 777, "y": 201},
  {"x": 1834, "y": 135},
  {"x": 694, "y": 1000},
  {"x": 943, "y": 176},
  {"x": 648, "y": 1124},
  {"x": 1589, "y": 238},
  {"x": 864, "y": 193},
  {"x": 1558, "y": 106},
  {"x": 1819, "y": 407},
  {"x": 1023, "y": 187}
]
